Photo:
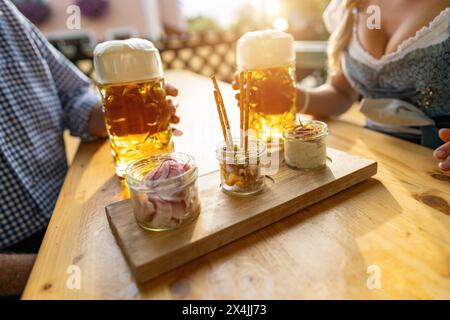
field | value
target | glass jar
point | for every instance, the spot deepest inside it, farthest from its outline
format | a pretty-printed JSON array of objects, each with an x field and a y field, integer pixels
[
  {"x": 305, "y": 145},
  {"x": 241, "y": 172},
  {"x": 164, "y": 191}
]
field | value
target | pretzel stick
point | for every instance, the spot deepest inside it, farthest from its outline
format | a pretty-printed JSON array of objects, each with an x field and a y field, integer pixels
[
  {"x": 244, "y": 110},
  {"x": 247, "y": 108},
  {"x": 222, "y": 124},
  {"x": 223, "y": 113},
  {"x": 241, "y": 109},
  {"x": 228, "y": 132}
]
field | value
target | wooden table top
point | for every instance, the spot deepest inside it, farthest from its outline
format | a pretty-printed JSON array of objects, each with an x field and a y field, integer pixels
[{"x": 386, "y": 238}]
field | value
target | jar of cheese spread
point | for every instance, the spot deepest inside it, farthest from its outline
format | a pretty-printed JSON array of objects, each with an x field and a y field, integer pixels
[{"x": 305, "y": 145}]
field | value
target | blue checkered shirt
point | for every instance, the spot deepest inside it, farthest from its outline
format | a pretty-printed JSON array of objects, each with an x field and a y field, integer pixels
[{"x": 41, "y": 95}]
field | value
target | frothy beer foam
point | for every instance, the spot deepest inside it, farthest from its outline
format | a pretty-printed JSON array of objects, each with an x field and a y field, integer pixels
[
  {"x": 129, "y": 60},
  {"x": 263, "y": 49}
]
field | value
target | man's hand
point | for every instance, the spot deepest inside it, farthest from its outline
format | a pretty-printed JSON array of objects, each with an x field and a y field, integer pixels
[
  {"x": 173, "y": 92},
  {"x": 97, "y": 125},
  {"x": 442, "y": 154},
  {"x": 15, "y": 270}
]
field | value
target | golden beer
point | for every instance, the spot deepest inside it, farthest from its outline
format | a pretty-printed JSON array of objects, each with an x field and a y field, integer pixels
[
  {"x": 137, "y": 117},
  {"x": 137, "y": 112},
  {"x": 269, "y": 56},
  {"x": 272, "y": 100}
]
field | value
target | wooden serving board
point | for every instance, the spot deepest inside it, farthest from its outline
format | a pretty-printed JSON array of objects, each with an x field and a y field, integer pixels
[{"x": 224, "y": 219}]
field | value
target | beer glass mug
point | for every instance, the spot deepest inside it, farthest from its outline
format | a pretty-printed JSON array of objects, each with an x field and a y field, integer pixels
[
  {"x": 137, "y": 112},
  {"x": 270, "y": 56}
]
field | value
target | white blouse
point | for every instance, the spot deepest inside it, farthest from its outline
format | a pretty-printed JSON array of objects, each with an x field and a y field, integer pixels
[
  {"x": 391, "y": 115},
  {"x": 437, "y": 31}
]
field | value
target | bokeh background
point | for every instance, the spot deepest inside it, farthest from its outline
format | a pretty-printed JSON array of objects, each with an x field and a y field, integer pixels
[
  {"x": 195, "y": 35},
  {"x": 158, "y": 18},
  {"x": 198, "y": 35}
]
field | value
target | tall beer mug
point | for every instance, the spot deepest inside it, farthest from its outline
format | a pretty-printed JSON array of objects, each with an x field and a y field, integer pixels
[
  {"x": 137, "y": 113},
  {"x": 270, "y": 56}
]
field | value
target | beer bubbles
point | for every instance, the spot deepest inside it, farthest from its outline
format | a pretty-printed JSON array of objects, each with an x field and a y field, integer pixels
[
  {"x": 270, "y": 56},
  {"x": 137, "y": 113}
]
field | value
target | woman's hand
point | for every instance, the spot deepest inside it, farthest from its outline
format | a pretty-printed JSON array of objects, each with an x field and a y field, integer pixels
[
  {"x": 443, "y": 152},
  {"x": 236, "y": 86},
  {"x": 173, "y": 92},
  {"x": 274, "y": 95}
]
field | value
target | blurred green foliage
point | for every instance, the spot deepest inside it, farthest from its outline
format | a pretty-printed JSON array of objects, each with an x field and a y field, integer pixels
[
  {"x": 202, "y": 23},
  {"x": 305, "y": 18}
]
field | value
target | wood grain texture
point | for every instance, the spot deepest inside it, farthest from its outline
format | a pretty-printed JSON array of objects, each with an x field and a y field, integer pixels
[
  {"x": 225, "y": 219},
  {"x": 398, "y": 221}
]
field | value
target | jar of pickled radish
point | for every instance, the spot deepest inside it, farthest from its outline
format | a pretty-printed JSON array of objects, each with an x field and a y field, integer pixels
[{"x": 164, "y": 191}]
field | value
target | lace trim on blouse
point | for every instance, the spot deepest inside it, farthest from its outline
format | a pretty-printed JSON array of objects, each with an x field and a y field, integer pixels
[{"x": 437, "y": 31}]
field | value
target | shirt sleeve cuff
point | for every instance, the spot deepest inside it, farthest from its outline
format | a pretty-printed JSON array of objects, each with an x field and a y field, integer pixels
[{"x": 79, "y": 114}]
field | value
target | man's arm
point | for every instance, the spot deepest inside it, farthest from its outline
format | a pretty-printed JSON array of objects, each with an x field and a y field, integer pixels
[
  {"x": 80, "y": 104},
  {"x": 82, "y": 112},
  {"x": 96, "y": 125},
  {"x": 15, "y": 270},
  {"x": 77, "y": 99}
]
